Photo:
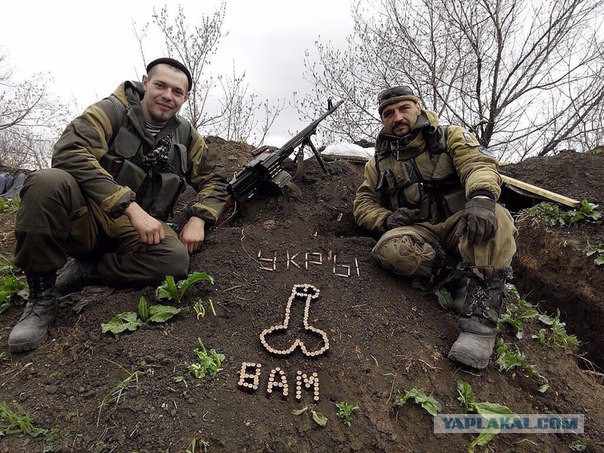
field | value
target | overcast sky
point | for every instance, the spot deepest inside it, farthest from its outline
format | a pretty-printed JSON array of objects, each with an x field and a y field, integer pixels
[{"x": 88, "y": 47}]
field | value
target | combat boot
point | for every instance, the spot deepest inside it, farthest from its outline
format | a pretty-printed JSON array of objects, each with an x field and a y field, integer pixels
[
  {"x": 76, "y": 274},
  {"x": 479, "y": 316},
  {"x": 459, "y": 293},
  {"x": 32, "y": 329}
]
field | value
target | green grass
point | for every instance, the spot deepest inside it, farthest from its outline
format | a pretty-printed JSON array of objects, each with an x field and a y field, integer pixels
[{"x": 14, "y": 420}]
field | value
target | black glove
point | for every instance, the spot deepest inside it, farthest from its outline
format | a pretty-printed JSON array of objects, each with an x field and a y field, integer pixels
[
  {"x": 478, "y": 221},
  {"x": 402, "y": 217}
]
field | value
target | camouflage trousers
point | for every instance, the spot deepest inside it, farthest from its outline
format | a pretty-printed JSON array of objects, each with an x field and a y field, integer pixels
[
  {"x": 55, "y": 221},
  {"x": 411, "y": 250}
]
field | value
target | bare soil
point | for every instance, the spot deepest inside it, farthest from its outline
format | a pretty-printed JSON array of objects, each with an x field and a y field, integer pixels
[{"x": 384, "y": 337}]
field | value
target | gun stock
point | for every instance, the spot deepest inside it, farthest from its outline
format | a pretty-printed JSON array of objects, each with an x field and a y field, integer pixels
[{"x": 266, "y": 166}]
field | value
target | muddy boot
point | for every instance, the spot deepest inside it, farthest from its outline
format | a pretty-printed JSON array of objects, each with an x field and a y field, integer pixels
[
  {"x": 479, "y": 316},
  {"x": 459, "y": 293},
  {"x": 76, "y": 274},
  {"x": 32, "y": 329}
]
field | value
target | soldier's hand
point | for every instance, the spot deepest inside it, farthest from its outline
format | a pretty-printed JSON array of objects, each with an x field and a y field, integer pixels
[
  {"x": 402, "y": 217},
  {"x": 150, "y": 230},
  {"x": 478, "y": 221},
  {"x": 193, "y": 234}
]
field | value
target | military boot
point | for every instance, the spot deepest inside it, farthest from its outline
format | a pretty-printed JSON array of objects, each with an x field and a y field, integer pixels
[
  {"x": 76, "y": 274},
  {"x": 32, "y": 329},
  {"x": 479, "y": 316},
  {"x": 459, "y": 293}
]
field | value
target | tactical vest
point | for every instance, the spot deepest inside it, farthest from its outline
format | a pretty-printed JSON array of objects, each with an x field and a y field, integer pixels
[
  {"x": 418, "y": 172},
  {"x": 157, "y": 176}
]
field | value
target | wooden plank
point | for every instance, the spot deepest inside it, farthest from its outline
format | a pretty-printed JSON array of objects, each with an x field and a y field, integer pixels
[{"x": 541, "y": 192}]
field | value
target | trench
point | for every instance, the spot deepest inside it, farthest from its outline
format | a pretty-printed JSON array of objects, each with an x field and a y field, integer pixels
[{"x": 552, "y": 271}]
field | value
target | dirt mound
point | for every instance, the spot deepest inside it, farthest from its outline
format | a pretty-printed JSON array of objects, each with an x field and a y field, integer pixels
[{"x": 384, "y": 337}]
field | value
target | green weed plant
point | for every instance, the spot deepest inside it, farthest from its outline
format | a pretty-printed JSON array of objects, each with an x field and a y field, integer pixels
[
  {"x": 510, "y": 359},
  {"x": 9, "y": 206},
  {"x": 131, "y": 321},
  {"x": 520, "y": 310},
  {"x": 556, "y": 335},
  {"x": 430, "y": 404},
  {"x": 170, "y": 290},
  {"x": 345, "y": 411},
  {"x": 468, "y": 401},
  {"x": 208, "y": 362},
  {"x": 598, "y": 252},
  {"x": 317, "y": 417},
  {"x": 14, "y": 420},
  {"x": 553, "y": 215}
]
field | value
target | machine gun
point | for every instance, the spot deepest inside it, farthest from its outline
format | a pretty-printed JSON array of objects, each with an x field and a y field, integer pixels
[{"x": 266, "y": 168}]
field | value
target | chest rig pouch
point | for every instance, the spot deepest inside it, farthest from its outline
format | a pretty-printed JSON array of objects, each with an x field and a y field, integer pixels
[
  {"x": 420, "y": 175},
  {"x": 157, "y": 177}
]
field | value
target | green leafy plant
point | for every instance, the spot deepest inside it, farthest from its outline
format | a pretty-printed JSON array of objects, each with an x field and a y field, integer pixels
[
  {"x": 550, "y": 213},
  {"x": 317, "y": 417},
  {"x": 586, "y": 213},
  {"x": 516, "y": 313},
  {"x": 598, "y": 251},
  {"x": 431, "y": 405},
  {"x": 556, "y": 335},
  {"x": 173, "y": 291},
  {"x": 508, "y": 359},
  {"x": 468, "y": 400},
  {"x": 11, "y": 287},
  {"x": 554, "y": 216},
  {"x": 10, "y": 206},
  {"x": 131, "y": 321},
  {"x": 345, "y": 411},
  {"x": 14, "y": 420},
  {"x": 521, "y": 310},
  {"x": 208, "y": 362},
  {"x": 127, "y": 320},
  {"x": 7, "y": 267}
]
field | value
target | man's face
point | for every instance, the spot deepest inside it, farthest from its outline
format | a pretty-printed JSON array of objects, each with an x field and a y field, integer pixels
[
  {"x": 165, "y": 92},
  {"x": 399, "y": 118}
]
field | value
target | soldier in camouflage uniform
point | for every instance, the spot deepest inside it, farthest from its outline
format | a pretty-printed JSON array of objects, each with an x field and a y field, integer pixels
[
  {"x": 116, "y": 173},
  {"x": 432, "y": 191}
]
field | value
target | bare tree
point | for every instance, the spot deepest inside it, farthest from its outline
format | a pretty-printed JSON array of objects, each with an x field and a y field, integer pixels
[
  {"x": 30, "y": 118},
  {"x": 238, "y": 105},
  {"x": 524, "y": 75}
]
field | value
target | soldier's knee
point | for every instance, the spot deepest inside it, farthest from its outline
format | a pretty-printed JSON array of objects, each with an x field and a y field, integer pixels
[
  {"x": 48, "y": 179},
  {"x": 46, "y": 183},
  {"x": 405, "y": 254},
  {"x": 173, "y": 260}
]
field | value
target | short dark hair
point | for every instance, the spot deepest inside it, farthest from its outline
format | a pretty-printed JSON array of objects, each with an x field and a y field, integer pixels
[{"x": 175, "y": 64}]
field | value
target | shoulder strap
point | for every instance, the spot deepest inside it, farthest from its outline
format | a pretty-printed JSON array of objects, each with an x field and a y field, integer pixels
[
  {"x": 118, "y": 119},
  {"x": 438, "y": 140}
]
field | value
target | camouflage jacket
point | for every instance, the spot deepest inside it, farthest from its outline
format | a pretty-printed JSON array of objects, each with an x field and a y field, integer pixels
[
  {"x": 115, "y": 126},
  {"x": 433, "y": 168}
]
